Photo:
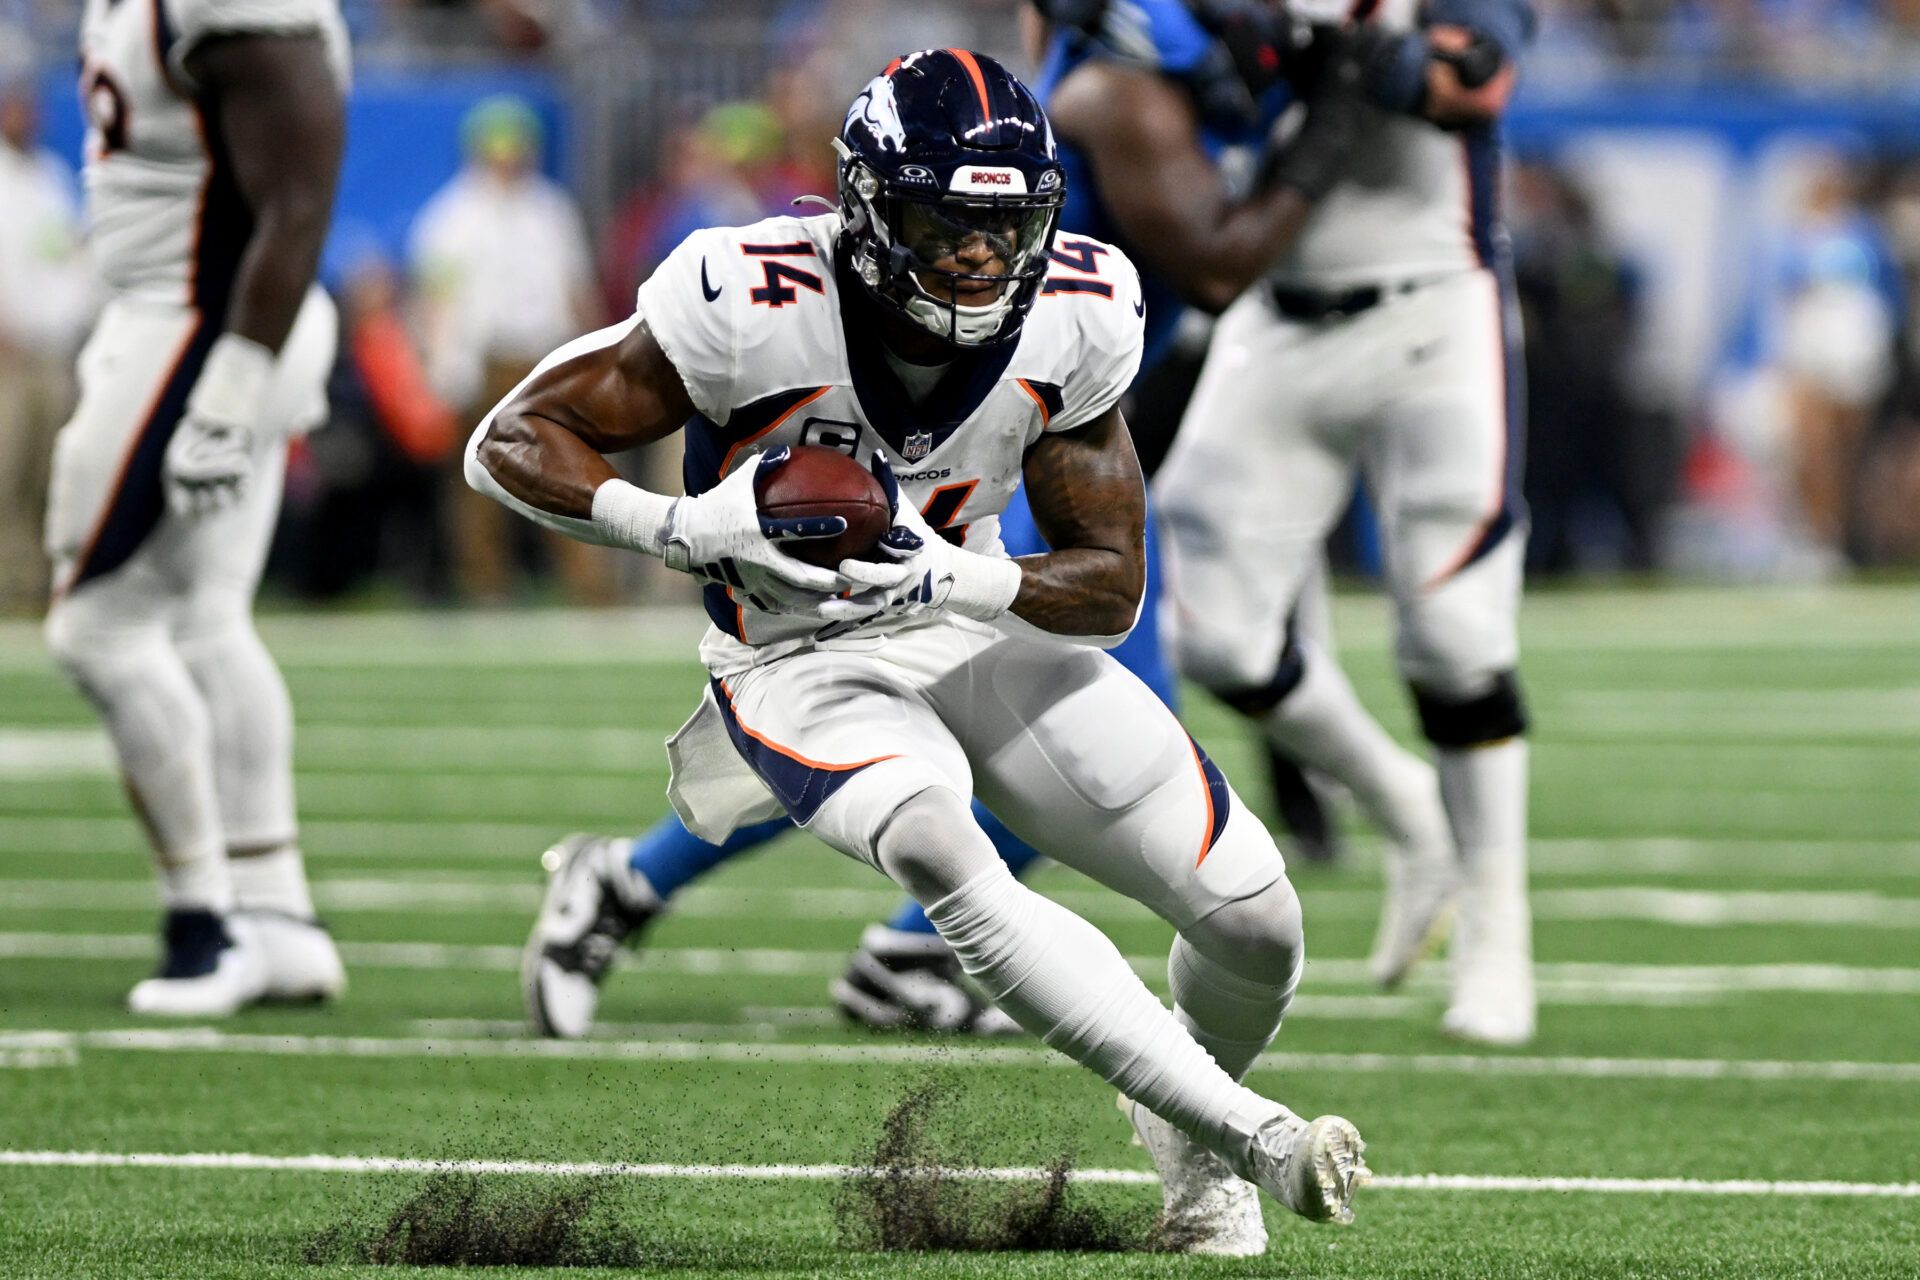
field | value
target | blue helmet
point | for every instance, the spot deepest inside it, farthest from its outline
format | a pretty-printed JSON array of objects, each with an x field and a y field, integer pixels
[{"x": 943, "y": 147}]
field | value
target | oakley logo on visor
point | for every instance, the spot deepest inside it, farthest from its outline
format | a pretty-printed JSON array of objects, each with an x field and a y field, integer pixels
[{"x": 990, "y": 181}]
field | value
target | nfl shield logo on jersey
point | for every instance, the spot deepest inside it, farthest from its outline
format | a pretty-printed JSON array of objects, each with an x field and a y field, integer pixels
[{"x": 919, "y": 444}]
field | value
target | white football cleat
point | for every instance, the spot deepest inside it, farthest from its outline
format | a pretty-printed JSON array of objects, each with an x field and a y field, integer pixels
[
  {"x": 582, "y": 924},
  {"x": 901, "y": 981},
  {"x": 1311, "y": 1167},
  {"x": 1421, "y": 870},
  {"x": 1414, "y": 911},
  {"x": 301, "y": 961},
  {"x": 1493, "y": 1000},
  {"x": 1207, "y": 1209},
  {"x": 1507, "y": 1025},
  {"x": 205, "y": 971}
]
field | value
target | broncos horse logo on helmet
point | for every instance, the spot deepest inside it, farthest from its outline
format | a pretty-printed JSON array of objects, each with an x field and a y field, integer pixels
[{"x": 944, "y": 150}]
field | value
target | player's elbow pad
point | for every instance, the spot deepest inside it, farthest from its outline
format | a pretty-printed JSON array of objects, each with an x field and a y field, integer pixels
[{"x": 1508, "y": 24}]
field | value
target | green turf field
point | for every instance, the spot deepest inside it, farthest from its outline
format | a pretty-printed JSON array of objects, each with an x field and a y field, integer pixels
[{"x": 1727, "y": 878}]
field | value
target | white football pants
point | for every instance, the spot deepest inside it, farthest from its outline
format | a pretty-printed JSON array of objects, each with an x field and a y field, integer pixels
[
  {"x": 152, "y": 613},
  {"x": 1415, "y": 393}
]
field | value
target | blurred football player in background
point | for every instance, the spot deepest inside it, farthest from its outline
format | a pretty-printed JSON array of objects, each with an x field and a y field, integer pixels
[
  {"x": 932, "y": 322},
  {"x": 1145, "y": 103},
  {"x": 214, "y": 144},
  {"x": 1385, "y": 340}
]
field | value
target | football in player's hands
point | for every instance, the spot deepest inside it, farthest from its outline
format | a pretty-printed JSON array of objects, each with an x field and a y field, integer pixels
[{"x": 812, "y": 482}]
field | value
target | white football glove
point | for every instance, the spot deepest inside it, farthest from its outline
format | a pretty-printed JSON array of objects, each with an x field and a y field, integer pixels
[
  {"x": 208, "y": 465},
  {"x": 926, "y": 572},
  {"x": 209, "y": 462},
  {"x": 721, "y": 537}
]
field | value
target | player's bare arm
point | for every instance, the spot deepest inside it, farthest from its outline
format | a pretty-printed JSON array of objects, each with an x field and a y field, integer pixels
[
  {"x": 547, "y": 445},
  {"x": 1142, "y": 133},
  {"x": 281, "y": 116},
  {"x": 277, "y": 109},
  {"x": 543, "y": 453},
  {"x": 1089, "y": 501}
]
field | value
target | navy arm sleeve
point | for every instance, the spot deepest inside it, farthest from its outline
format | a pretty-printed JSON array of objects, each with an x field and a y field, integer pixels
[{"x": 1507, "y": 23}]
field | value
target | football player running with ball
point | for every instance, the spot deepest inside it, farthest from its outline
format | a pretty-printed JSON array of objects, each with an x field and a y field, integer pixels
[
  {"x": 919, "y": 327},
  {"x": 215, "y": 135},
  {"x": 1146, "y": 98},
  {"x": 1386, "y": 339}
]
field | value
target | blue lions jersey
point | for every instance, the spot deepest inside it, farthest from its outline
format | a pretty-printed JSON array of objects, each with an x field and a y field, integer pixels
[{"x": 1179, "y": 44}]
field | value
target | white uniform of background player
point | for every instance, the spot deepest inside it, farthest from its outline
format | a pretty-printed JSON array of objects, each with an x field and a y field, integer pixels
[
  {"x": 152, "y": 607},
  {"x": 1387, "y": 343}
]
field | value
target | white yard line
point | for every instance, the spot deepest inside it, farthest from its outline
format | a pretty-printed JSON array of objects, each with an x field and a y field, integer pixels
[
  {"x": 1570, "y": 981},
  {"x": 332, "y": 895},
  {"x": 656, "y": 635},
  {"x": 54, "y": 753},
  {"x": 1717, "y": 910},
  {"x": 1682, "y": 855},
  {"x": 764, "y": 1025},
  {"x": 332, "y": 744},
  {"x": 38, "y": 1059},
  {"x": 518, "y": 843},
  {"x": 466, "y": 840},
  {"x": 1811, "y": 704},
  {"x": 247, "y": 1162},
  {"x": 761, "y": 1025},
  {"x": 1850, "y": 616},
  {"x": 207, "y": 1040},
  {"x": 1763, "y": 715},
  {"x": 1594, "y": 978},
  {"x": 1650, "y": 903},
  {"x": 443, "y": 956}
]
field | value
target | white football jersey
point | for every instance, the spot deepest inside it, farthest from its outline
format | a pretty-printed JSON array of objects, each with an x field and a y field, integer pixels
[
  {"x": 752, "y": 319},
  {"x": 167, "y": 220},
  {"x": 1415, "y": 200}
]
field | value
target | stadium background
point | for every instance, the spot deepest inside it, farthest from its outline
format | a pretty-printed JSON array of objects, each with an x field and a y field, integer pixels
[{"x": 1717, "y": 216}]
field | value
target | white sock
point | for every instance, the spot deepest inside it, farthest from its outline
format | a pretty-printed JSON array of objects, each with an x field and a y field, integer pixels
[
  {"x": 161, "y": 734},
  {"x": 252, "y": 721},
  {"x": 1485, "y": 790},
  {"x": 201, "y": 884},
  {"x": 1233, "y": 1018},
  {"x": 1063, "y": 980},
  {"x": 1322, "y": 723},
  {"x": 272, "y": 881}
]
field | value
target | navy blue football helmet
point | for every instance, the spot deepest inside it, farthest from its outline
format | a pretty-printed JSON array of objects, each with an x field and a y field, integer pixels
[{"x": 941, "y": 151}]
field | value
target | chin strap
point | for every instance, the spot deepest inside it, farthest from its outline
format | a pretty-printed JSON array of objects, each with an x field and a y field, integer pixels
[{"x": 955, "y": 320}]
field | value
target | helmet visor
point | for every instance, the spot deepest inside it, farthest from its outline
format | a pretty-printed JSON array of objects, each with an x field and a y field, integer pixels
[{"x": 972, "y": 238}]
